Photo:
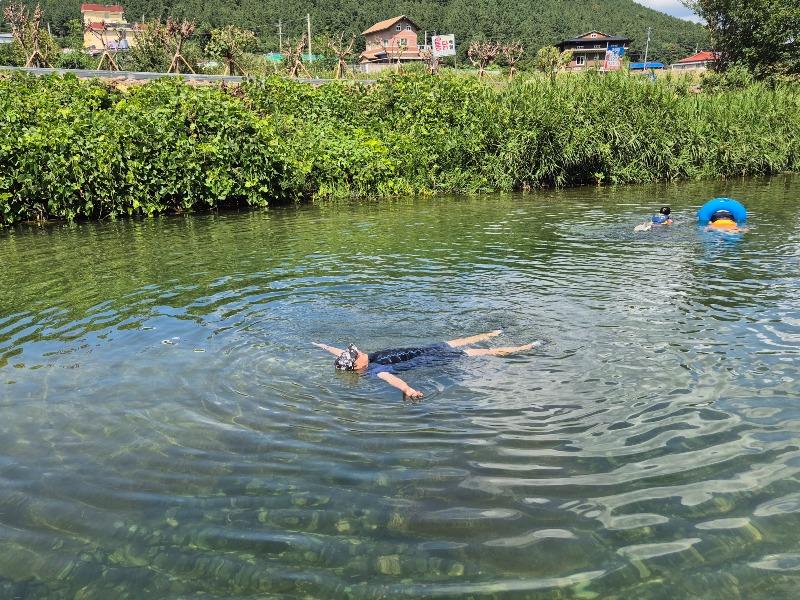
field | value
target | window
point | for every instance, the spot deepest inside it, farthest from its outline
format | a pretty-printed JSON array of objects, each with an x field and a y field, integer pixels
[
  {"x": 580, "y": 60},
  {"x": 579, "y": 46},
  {"x": 594, "y": 35},
  {"x": 408, "y": 27},
  {"x": 398, "y": 28},
  {"x": 385, "y": 42}
]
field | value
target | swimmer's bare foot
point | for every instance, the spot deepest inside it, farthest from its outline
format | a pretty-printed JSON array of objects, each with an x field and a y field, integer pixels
[{"x": 474, "y": 338}]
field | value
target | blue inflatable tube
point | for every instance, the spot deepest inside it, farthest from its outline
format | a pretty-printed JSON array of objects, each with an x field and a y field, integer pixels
[{"x": 734, "y": 207}]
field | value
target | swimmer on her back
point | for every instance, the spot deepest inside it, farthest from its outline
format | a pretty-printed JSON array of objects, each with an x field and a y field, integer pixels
[{"x": 385, "y": 363}]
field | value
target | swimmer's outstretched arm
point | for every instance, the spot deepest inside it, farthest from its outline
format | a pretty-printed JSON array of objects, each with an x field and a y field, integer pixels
[
  {"x": 331, "y": 349},
  {"x": 400, "y": 385}
]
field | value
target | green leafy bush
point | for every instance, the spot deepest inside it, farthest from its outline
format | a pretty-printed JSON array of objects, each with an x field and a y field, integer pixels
[{"x": 73, "y": 149}]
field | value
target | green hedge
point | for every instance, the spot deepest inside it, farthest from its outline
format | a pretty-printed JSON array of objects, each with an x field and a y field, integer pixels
[{"x": 82, "y": 150}]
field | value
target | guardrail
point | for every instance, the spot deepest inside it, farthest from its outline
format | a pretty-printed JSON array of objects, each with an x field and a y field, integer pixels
[{"x": 144, "y": 76}]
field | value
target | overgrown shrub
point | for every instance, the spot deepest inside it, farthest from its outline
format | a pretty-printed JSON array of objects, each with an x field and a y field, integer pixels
[{"x": 83, "y": 150}]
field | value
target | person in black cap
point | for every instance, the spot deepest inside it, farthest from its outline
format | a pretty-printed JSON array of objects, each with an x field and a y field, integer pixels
[
  {"x": 723, "y": 220},
  {"x": 385, "y": 363},
  {"x": 662, "y": 218}
]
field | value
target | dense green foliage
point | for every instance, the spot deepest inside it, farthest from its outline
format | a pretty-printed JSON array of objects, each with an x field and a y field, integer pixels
[
  {"x": 73, "y": 149},
  {"x": 536, "y": 22},
  {"x": 760, "y": 35}
]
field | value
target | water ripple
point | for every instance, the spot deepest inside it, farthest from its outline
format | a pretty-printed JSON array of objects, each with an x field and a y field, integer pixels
[{"x": 168, "y": 430}]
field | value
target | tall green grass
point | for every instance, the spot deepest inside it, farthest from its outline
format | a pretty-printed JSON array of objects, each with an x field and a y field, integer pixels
[{"x": 83, "y": 150}]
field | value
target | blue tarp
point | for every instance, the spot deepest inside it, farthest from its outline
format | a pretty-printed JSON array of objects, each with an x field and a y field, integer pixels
[{"x": 640, "y": 66}]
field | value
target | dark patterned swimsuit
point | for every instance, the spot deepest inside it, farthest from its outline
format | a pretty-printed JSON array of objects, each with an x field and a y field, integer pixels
[{"x": 404, "y": 359}]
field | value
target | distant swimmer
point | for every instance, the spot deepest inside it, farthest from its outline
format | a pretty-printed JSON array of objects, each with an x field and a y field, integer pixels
[
  {"x": 384, "y": 363},
  {"x": 661, "y": 218},
  {"x": 722, "y": 220},
  {"x": 723, "y": 214}
]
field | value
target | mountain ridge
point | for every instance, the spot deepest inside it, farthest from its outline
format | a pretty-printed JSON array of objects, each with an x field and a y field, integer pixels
[{"x": 535, "y": 23}]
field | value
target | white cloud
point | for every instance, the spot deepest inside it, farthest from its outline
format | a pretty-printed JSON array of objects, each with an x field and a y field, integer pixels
[{"x": 671, "y": 7}]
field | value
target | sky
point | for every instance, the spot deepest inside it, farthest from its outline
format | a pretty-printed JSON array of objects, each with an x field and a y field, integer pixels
[{"x": 671, "y": 7}]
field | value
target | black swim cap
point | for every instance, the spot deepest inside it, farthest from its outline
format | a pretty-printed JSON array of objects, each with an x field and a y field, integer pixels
[
  {"x": 346, "y": 361},
  {"x": 665, "y": 210},
  {"x": 722, "y": 214}
]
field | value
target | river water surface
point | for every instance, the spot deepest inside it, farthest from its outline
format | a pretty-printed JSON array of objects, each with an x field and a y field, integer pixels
[{"x": 167, "y": 430}]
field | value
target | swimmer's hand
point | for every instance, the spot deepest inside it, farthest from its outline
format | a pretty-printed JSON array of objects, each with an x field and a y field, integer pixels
[
  {"x": 401, "y": 385},
  {"x": 327, "y": 348}
]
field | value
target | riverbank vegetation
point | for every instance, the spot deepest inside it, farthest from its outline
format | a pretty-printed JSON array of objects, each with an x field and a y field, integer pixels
[{"x": 73, "y": 149}]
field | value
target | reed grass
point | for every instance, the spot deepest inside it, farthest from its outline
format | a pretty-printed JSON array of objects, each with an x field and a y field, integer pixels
[{"x": 74, "y": 149}]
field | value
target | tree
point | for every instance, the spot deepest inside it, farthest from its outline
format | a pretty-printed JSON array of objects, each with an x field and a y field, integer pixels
[
  {"x": 150, "y": 52},
  {"x": 342, "y": 52},
  {"x": 431, "y": 61},
  {"x": 294, "y": 58},
  {"x": 229, "y": 44},
  {"x": 550, "y": 61},
  {"x": 513, "y": 53},
  {"x": 175, "y": 35},
  {"x": 762, "y": 35},
  {"x": 26, "y": 28},
  {"x": 106, "y": 57},
  {"x": 481, "y": 54},
  {"x": 395, "y": 51}
]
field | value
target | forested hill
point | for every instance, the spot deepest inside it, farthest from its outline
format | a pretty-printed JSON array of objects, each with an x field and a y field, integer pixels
[{"x": 535, "y": 22}]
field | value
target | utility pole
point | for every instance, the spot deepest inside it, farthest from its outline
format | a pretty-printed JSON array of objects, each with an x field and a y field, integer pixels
[
  {"x": 280, "y": 36},
  {"x": 308, "y": 26},
  {"x": 646, "y": 48}
]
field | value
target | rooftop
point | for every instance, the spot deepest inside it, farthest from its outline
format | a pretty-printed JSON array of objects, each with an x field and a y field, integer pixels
[
  {"x": 111, "y": 8},
  {"x": 640, "y": 66},
  {"x": 383, "y": 25},
  {"x": 584, "y": 37},
  {"x": 704, "y": 56}
]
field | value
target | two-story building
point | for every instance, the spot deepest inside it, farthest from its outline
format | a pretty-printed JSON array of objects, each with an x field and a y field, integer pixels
[
  {"x": 389, "y": 42},
  {"x": 105, "y": 27},
  {"x": 589, "y": 50}
]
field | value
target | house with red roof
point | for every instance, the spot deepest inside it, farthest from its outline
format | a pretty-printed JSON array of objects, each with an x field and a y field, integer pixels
[
  {"x": 390, "y": 42},
  {"x": 105, "y": 27},
  {"x": 696, "y": 62}
]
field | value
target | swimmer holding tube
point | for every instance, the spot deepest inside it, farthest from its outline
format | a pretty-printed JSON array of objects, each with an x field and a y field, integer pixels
[
  {"x": 385, "y": 363},
  {"x": 723, "y": 214}
]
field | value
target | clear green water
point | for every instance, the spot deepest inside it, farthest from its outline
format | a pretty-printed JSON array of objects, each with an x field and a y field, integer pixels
[{"x": 651, "y": 450}]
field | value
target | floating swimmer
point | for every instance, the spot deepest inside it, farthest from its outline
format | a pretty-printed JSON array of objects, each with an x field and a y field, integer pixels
[
  {"x": 662, "y": 218},
  {"x": 385, "y": 363},
  {"x": 722, "y": 214}
]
